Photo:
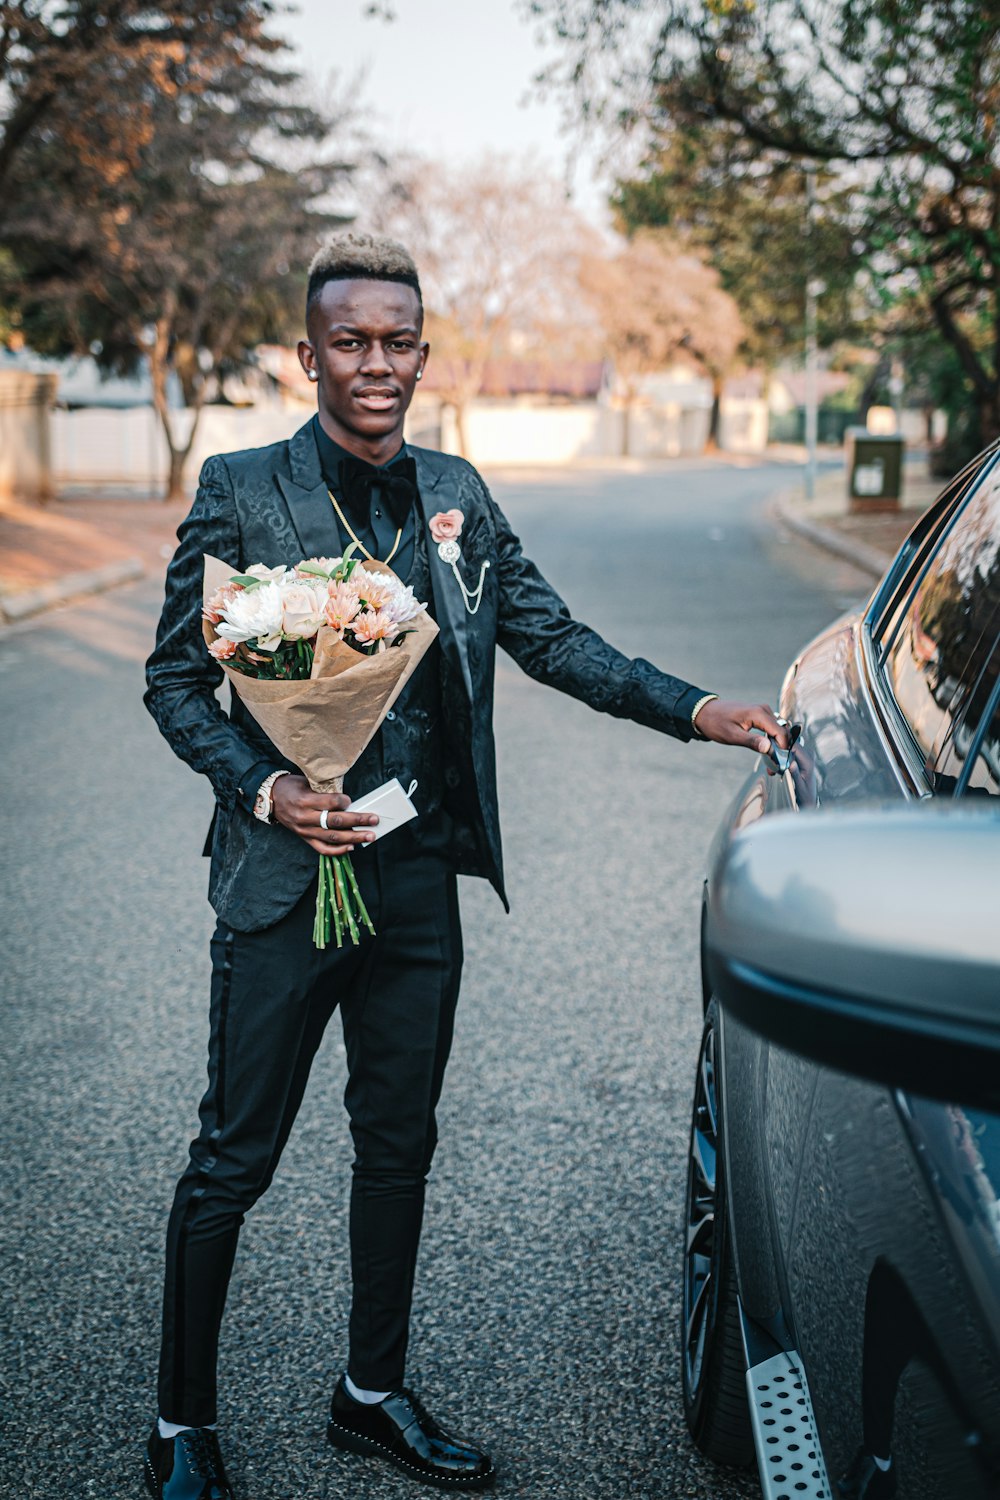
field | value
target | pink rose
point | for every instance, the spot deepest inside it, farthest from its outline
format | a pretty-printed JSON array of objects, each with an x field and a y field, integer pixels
[
  {"x": 222, "y": 649},
  {"x": 446, "y": 525}
]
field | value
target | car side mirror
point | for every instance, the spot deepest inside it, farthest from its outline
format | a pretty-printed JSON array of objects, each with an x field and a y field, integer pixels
[{"x": 868, "y": 941}]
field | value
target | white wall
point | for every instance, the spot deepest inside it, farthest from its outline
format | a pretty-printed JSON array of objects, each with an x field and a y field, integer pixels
[
  {"x": 506, "y": 432},
  {"x": 25, "y": 434},
  {"x": 511, "y": 432},
  {"x": 98, "y": 446},
  {"x": 742, "y": 424}
]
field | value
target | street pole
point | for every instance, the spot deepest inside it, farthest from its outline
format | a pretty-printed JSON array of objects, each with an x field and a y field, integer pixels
[
  {"x": 812, "y": 373},
  {"x": 896, "y": 391}
]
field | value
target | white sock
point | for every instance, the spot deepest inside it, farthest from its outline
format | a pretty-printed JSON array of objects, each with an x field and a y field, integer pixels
[
  {"x": 881, "y": 1463},
  {"x": 367, "y": 1398},
  {"x": 171, "y": 1429}
]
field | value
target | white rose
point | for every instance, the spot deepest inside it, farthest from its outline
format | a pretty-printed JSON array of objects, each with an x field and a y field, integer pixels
[
  {"x": 302, "y": 610},
  {"x": 267, "y": 575},
  {"x": 254, "y": 614},
  {"x": 324, "y": 564}
]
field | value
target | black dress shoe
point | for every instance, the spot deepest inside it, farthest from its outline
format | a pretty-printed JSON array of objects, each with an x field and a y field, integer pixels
[
  {"x": 400, "y": 1430},
  {"x": 187, "y": 1467},
  {"x": 864, "y": 1480}
]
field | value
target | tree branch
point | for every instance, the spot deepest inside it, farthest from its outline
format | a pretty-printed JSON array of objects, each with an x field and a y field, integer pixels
[{"x": 986, "y": 386}]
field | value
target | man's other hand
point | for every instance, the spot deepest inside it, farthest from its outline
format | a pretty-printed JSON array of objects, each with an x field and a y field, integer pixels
[
  {"x": 731, "y": 723},
  {"x": 299, "y": 808}
]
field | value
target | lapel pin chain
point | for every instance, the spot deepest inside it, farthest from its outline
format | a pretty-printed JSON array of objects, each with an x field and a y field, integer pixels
[{"x": 449, "y": 553}]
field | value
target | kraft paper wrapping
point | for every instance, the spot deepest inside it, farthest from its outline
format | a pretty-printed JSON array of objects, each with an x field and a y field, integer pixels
[{"x": 324, "y": 723}]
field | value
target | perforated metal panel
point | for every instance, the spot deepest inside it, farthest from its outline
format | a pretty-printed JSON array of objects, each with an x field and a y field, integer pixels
[{"x": 784, "y": 1429}]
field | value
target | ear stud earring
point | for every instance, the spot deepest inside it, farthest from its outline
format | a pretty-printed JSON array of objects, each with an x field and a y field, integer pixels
[{"x": 312, "y": 374}]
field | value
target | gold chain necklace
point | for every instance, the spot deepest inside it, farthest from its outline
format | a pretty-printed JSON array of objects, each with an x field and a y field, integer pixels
[{"x": 357, "y": 540}]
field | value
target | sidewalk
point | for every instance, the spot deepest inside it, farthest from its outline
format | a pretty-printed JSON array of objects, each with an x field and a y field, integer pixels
[
  {"x": 57, "y": 551},
  {"x": 869, "y": 540}
]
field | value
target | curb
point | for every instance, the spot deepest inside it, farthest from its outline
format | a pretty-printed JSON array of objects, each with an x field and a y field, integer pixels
[
  {"x": 17, "y": 607},
  {"x": 871, "y": 559}
]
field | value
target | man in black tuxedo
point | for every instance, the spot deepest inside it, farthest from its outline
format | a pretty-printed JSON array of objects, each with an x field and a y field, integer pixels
[{"x": 348, "y": 476}]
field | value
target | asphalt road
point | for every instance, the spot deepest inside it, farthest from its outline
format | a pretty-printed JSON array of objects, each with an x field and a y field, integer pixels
[{"x": 547, "y": 1304}]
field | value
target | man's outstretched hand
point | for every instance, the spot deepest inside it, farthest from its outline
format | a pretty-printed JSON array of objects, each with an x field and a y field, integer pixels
[
  {"x": 300, "y": 808},
  {"x": 731, "y": 723}
]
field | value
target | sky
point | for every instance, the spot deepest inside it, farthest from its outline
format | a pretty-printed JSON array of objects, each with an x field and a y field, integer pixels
[{"x": 449, "y": 79}]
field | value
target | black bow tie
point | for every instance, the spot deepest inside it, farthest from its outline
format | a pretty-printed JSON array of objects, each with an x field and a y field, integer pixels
[{"x": 396, "y": 485}]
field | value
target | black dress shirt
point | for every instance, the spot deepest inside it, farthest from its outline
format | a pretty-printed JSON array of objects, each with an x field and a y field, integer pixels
[{"x": 375, "y": 527}]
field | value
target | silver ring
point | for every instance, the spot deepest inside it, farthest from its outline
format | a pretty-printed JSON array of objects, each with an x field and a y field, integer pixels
[{"x": 322, "y": 818}]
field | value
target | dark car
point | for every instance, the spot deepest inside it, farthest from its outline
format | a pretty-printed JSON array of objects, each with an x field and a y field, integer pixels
[{"x": 841, "y": 1281}]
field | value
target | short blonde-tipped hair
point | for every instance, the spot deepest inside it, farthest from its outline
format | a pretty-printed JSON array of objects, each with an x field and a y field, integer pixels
[{"x": 371, "y": 257}]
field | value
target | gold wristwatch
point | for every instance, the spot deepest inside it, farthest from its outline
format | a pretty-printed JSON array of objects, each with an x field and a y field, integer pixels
[{"x": 262, "y": 802}]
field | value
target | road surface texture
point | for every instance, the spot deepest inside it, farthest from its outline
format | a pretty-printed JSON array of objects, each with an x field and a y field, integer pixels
[{"x": 546, "y": 1319}]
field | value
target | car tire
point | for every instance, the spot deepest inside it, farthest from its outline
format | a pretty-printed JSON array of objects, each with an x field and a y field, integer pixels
[{"x": 713, "y": 1369}]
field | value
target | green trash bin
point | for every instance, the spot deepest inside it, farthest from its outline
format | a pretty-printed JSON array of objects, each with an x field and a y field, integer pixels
[{"x": 874, "y": 469}]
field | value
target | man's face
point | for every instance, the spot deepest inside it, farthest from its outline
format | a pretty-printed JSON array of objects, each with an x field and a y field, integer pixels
[{"x": 364, "y": 344}]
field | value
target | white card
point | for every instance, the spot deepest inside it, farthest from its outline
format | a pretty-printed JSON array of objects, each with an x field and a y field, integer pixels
[{"x": 390, "y": 803}]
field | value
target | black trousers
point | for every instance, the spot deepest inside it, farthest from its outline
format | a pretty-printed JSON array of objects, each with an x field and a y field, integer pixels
[{"x": 272, "y": 996}]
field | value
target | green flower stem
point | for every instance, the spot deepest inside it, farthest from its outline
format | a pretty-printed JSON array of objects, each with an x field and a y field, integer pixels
[
  {"x": 359, "y": 900},
  {"x": 340, "y": 905},
  {"x": 333, "y": 906},
  {"x": 320, "y": 924},
  {"x": 326, "y": 906},
  {"x": 342, "y": 891}
]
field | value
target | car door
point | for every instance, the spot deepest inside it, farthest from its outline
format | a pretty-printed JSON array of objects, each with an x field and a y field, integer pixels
[
  {"x": 844, "y": 755},
  {"x": 893, "y": 1289}
]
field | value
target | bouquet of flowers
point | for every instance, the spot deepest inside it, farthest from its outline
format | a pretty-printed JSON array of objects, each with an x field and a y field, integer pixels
[{"x": 318, "y": 652}]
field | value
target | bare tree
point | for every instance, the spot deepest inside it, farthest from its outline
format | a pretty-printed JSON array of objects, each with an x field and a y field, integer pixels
[
  {"x": 499, "y": 248},
  {"x": 655, "y": 303}
]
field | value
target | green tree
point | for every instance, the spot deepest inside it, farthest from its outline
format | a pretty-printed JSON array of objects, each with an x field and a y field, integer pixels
[
  {"x": 899, "y": 98},
  {"x": 191, "y": 254},
  {"x": 748, "y": 215}
]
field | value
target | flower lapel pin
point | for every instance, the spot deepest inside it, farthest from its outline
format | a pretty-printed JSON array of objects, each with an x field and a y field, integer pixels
[{"x": 446, "y": 528}]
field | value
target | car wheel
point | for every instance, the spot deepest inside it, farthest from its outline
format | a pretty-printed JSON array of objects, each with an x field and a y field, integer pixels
[{"x": 713, "y": 1369}]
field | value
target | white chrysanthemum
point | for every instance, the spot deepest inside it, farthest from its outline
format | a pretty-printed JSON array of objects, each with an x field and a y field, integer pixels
[
  {"x": 254, "y": 615},
  {"x": 405, "y": 605}
]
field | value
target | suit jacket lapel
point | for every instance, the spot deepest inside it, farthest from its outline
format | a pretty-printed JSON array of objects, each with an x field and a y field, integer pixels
[
  {"x": 307, "y": 498},
  {"x": 434, "y": 490}
]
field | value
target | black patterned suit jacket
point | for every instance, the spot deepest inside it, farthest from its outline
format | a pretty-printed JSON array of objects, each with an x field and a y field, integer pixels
[{"x": 270, "y": 505}]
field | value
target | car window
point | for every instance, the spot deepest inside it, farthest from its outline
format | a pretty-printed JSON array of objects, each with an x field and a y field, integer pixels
[
  {"x": 937, "y": 665},
  {"x": 893, "y": 596},
  {"x": 973, "y": 734}
]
